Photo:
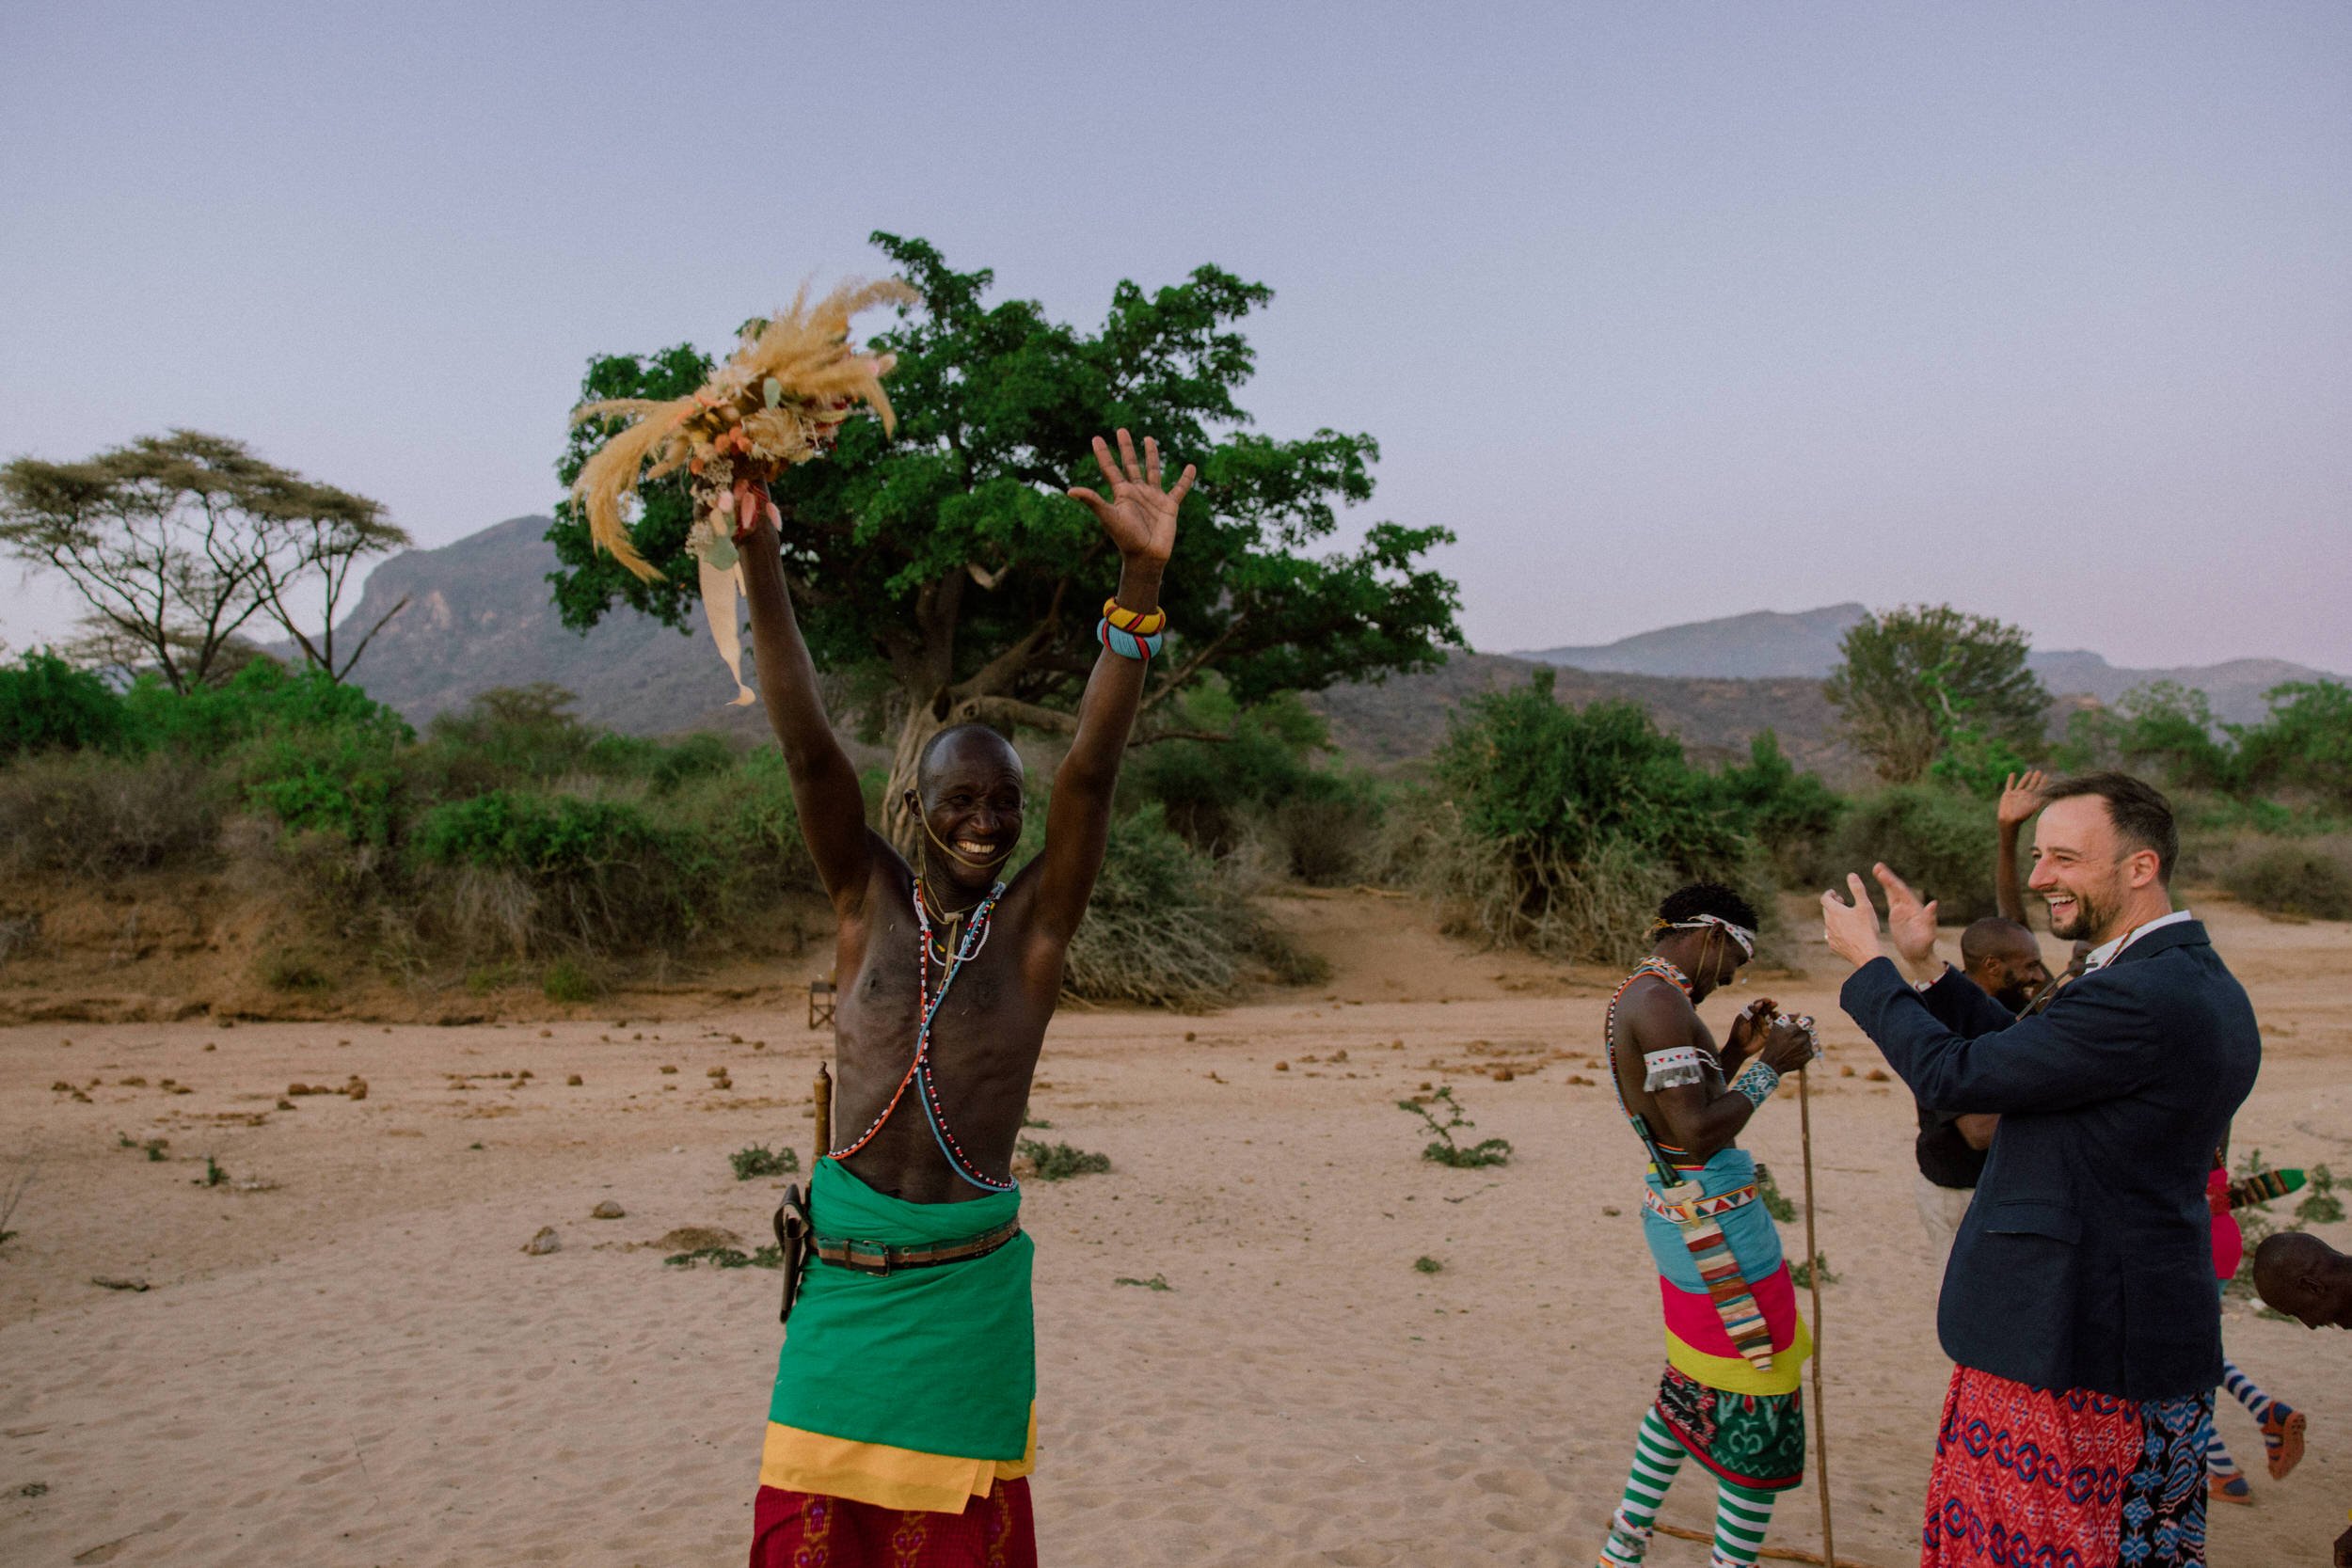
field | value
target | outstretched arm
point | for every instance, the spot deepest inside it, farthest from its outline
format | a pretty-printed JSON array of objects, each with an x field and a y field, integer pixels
[
  {"x": 1140, "y": 518},
  {"x": 824, "y": 785},
  {"x": 2091, "y": 1044},
  {"x": 2020, "y": 798}
]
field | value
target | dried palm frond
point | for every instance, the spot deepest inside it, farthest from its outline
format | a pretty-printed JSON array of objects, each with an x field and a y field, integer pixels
[{"x": 779, "y": 399}]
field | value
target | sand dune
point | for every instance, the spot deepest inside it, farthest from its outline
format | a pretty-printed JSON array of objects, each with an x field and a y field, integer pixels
[{"x": 350, "y": 1361}]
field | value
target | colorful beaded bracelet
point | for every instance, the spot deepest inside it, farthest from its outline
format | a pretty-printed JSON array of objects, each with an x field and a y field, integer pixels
[
  {"x": 1756, "y": 1081},
  {"x": 1149, "y": 622},
  {"x": 1126, "y": 643}
]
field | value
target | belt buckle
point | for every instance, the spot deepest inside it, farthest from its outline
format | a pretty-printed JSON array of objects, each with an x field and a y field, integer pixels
[{"x": 887, "y": 1253}]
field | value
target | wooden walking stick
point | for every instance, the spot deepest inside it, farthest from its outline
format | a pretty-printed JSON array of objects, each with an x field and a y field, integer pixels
[
  {"x": 1813, "y": 1277},
  {"x": 822, "y": 1093}
]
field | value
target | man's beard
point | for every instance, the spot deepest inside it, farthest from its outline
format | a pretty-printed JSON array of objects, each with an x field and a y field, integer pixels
[
  {"x": 2091, "y": 917},
  {"x": 2015, "y": 997}
]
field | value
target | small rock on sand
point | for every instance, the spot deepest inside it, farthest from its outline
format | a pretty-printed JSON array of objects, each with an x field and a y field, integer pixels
[
  {"x": 607, "y": 1210},
  {"x": 544, "y": 1242}
]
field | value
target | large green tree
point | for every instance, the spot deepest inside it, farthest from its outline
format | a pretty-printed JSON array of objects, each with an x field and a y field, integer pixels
[
  {"x": 1917, "y": 678},
  {"x": 948, "y": 557}
]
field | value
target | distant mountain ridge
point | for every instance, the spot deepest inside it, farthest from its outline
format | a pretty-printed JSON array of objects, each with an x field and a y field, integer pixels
[
  {"x": 480, "y": 615},
  {"x": 1768, "y": 645},
  {"x": 1763, "y": 645}
]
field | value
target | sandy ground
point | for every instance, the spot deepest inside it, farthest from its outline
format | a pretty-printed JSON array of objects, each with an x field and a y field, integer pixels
[{"x": 345, "y": 1358}]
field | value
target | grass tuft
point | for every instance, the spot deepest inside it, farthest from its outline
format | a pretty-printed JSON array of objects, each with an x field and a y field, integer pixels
[{"x": 759, "y": 1160}]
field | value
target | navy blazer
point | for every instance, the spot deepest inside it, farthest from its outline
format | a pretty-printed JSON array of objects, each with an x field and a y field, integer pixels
[{"x": 2086, "y": 1260}]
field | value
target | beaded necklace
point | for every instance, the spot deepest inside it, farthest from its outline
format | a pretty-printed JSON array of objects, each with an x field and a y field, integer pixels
[{"x": 919, "y": 1069}]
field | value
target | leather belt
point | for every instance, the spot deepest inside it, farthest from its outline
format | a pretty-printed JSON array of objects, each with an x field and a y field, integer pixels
[
  {"x": 1699, "y": 1208},
  {"x": 882, "y": 1257}
]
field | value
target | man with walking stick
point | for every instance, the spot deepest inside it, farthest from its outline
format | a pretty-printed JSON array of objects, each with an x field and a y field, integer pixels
[
  {"x": 2079, "y": 1305},
  {"x": 1731, "y": 1395}
]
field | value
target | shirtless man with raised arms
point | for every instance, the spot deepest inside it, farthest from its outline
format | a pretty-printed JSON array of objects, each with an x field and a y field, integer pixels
[{"x": 903, "y": 1426}]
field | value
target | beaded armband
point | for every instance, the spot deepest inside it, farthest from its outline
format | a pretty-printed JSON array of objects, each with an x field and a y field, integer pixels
[
  {"x": 1756, "y": 1081},
  {"x": 1145, "y": 623},
  {"x": 1128, "y": 644},
  {"x": 1671, "y": 1069}
]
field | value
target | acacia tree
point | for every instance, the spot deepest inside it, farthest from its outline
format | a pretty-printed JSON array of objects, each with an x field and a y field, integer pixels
[
  {"x": 948, "y": 556},
  {"x": 176, "y": 542},
  {"x": 1914, "y": 677}
]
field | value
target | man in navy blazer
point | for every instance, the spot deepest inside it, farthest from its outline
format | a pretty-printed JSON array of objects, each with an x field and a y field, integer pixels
[{"x": 2079, "y": 1301}]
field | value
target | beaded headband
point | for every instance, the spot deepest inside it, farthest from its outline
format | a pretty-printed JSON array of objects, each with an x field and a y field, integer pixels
[{"x": 1741, "y": 934}]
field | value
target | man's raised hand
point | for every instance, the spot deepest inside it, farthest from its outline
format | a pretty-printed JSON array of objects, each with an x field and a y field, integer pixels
[
  {"x": 1140, "y": 517},
  {"x": 2021, "y": 796}
]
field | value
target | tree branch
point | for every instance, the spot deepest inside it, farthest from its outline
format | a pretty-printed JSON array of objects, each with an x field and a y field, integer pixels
[
  {"x": 363, "y": 648},
  {"x": 1004, "y": 710},
  {"x": 1192, "y": 666}
]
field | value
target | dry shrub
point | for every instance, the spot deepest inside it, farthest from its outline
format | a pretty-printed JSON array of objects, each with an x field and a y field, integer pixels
[
  {"x": 2309, "y": 877},
  {"x": 1165, "y": 929},
  {"x": 1597, "y": 911},
  {"x": 90, "y": 815}
]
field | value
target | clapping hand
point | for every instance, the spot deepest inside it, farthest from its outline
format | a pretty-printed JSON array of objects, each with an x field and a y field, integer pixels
[
  {"x": 1140, "y": 517},
  {"x": 1909, "y": 923},
  {"x": 1851, "y": 929}
]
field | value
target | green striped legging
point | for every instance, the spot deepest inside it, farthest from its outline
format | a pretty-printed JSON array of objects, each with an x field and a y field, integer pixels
[{"x": 1740, "y": 1511}]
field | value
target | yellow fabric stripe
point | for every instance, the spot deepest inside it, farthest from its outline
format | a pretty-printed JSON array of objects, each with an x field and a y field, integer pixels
[
  {"x": 1733, "y": 1375},
  {"x": 793, "y": 1460}
]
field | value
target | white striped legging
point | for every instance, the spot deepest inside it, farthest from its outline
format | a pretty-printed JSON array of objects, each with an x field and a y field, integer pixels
[{"x": 1741, "y": 1513}]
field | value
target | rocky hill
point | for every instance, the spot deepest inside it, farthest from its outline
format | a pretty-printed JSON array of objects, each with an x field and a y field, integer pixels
[
  {"x": 1772, "y": 643},
  {"x": 479, "y": 616}
]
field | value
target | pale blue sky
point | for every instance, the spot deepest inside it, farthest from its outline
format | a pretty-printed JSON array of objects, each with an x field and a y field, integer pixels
[{"x": 1671, "y": 311}]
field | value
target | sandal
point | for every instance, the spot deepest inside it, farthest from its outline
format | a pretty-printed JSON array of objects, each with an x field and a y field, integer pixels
[
  {"x": 2229, "y": 1489},
  {"x": 2283, "y": 1439}
]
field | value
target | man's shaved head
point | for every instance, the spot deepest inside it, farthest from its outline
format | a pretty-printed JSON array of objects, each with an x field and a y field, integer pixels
[
  {"x": 1994, "y": 937},
  {"x": 2005, "y": 961},
  {"x": 2303, "y": 1276},
  {"x": 958, "y": 744}
]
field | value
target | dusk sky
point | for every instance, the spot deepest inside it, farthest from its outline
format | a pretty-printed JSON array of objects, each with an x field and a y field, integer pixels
[{"x": 1670, "y": 311}]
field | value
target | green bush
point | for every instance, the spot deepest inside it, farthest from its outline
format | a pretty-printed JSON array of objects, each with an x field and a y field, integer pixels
[
  {"x": 2311, "y": 880},
  {"x": 1939, "y": 841},
  {"x": 47, "y": 704},
  {"x": 2305, "y": 744},
  {"x": 528, "y": 871},
  {"x": 1560, "y": 829},
  {"x": 538, "y": 835},
  {"x": 344, "y": 780},
  {"x": 745, "y": 818},
  {"x": 262, "y": 699},
  {"x": 1260, "y": 786},
  {"x": 1791, "y": 814}
]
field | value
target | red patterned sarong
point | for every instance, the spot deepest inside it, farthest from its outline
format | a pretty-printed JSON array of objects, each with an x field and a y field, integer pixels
[
  {"x": 2063, "y": 1480},
  {"x": 805, "y": 1530}
]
